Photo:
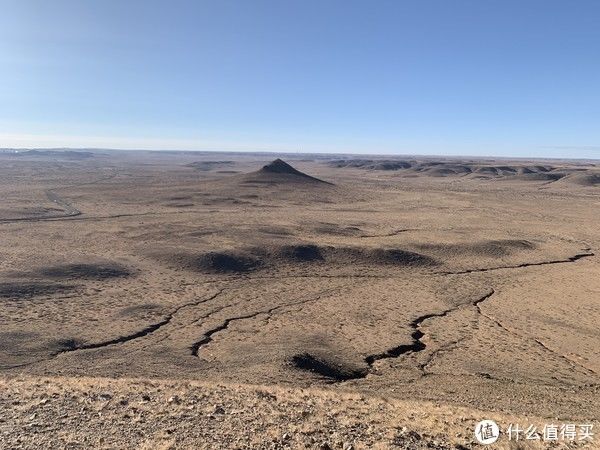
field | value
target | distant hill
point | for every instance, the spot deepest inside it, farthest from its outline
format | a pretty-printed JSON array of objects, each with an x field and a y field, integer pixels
[
  {"x": 70, "y": 154},
  {"x": 280, "y": 172},
  {"x": 206, "y": 166}
]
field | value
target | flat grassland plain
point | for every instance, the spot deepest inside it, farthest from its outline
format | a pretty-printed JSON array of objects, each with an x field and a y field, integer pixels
[{"x": 215, "y": 300}]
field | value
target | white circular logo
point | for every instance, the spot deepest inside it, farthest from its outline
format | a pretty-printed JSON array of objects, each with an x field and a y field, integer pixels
[{"x": 487, "y": 432}]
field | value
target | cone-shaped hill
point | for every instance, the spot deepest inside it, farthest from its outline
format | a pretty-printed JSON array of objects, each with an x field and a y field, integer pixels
[{"x": 280, "y": 172}]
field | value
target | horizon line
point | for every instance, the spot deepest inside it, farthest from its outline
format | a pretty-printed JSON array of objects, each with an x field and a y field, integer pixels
[{"x": 298, "y": 152}]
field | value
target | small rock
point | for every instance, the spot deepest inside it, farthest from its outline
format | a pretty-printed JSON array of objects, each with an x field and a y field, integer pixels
[
  {"x": 413, "y": 435},
  {"x": 218, "y": 410},
  {"x": 174, "y": 399}
]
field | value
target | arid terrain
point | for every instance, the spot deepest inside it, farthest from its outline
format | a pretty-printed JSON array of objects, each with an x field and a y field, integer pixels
[{"x": 223, "y": 300}]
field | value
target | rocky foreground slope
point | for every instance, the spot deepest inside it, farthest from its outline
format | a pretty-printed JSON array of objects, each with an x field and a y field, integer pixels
[{"x": 74, "y": 413}]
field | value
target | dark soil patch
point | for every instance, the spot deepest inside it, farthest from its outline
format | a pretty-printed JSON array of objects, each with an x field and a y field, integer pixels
[
  {"x": 336, "y": 230},
  {"x": 487, "y": 170},
  {"x": 140, "y": 309},
  {"x": 17, "y": 290},
  {"x": 541, "y": 176},
  {"x": 331, "y": 371},
  {"x": 592, "y": 179},
  {"x": 9, "y": 340},
  {"x": 372, "y": 164},
  {"x": 302, "y": 252},
  {"x": 205, "y": 166},
  {"x": 86, "y": 271},
  {"x": 400, "y": 257},
  {"x": 272, "y": 256},
  {"x": 220, "y": 262},
  {"x": 494, "y": 248},
  {"x": 68, "y": 344}
]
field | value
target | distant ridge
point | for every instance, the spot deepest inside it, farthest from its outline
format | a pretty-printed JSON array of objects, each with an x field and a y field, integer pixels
[
  {"x": 278, "y": 171},
  {"x": 71, "y": 154}
]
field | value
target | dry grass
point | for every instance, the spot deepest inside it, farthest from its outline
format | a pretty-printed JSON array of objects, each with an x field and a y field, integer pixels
[{"x": 469, "y": 284}]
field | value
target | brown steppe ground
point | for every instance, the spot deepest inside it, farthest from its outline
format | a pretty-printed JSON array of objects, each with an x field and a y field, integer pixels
[{"x": 195, "y": 300}]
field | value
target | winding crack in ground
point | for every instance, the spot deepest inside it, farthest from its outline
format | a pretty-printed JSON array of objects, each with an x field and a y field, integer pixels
[
  {"x": 454, "y": 344},
  {"x": 195, "y": 347},
  {"x": 208, "y": 336},
  {"x": 143, "y": 332},
  {"x": 418, "y": 345},
  {"x": 389, "y": 234},
  {"x": 574, "y": 258},
  {"x": 568, "y": 360},
  {"x": 417, "y": 335}
]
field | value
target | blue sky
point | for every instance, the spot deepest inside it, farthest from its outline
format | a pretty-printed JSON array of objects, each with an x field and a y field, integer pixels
[{"x": 478, "y": 77}]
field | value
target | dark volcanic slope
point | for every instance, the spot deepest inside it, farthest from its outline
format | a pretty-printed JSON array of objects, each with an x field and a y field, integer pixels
[{"x": 279, "y": 171}]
